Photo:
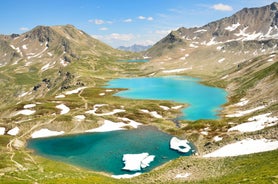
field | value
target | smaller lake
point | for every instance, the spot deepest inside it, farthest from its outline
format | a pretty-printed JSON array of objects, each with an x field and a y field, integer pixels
[
  {"x": 204, "y": 101},
  {"x": 135, "y": 60},
  {"x": 103, "y": 151}
]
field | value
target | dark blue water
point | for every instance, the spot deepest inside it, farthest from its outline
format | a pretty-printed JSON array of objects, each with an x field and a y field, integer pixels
[
  {"x": 104, "y": 151},
  {"x": 204, "y": 101}
]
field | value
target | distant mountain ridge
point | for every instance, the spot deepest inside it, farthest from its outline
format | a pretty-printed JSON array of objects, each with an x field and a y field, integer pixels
[
  {"x": 248, "y": 33},
  {"x": 135, "y": 48}
]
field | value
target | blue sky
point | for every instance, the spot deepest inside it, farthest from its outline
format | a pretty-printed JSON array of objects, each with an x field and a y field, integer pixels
[{"x": 118, "y": 22}]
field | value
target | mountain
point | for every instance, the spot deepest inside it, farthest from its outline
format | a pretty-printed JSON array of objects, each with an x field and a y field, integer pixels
[
  {"x": 221, "y": 44},
  {"x": 135, "y": 48},
  {"x": 47, "y": 59}
]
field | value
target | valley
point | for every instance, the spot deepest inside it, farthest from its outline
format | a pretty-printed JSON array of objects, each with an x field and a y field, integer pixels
[{"x": 54, "y": 80}]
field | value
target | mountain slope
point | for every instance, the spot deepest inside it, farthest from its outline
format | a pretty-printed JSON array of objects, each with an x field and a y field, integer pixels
[
  {"x": 246, "y": 34},
  {"x": 48, "y": 59}
]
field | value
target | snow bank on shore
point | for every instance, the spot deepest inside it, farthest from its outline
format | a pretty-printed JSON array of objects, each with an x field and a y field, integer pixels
[
  {"x": 256, "y": 123},
  {"x": 135, "y": 162},
  {"x": 64, "y": 108},
  {"x": 180, "y": 145},
  {"x": 45, "y": 133},
  {"x": 244, "y": 147},
  {"x": 125, "y": 175},
  {"x": 108, "y": 126},
  {"x": 114, "y": 126},
  {"x": 13, "y": 131}
]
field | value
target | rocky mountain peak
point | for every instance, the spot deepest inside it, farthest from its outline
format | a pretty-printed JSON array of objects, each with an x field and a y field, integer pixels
[
  {"x": 42, "y": 33},
  {"x": 274, "y": 6}
]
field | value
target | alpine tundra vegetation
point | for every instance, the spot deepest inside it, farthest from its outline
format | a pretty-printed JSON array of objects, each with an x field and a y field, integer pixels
[{"x": 200, "y": 105}]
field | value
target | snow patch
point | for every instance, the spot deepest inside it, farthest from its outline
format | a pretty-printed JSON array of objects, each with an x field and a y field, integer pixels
[
  {"x": 64, "y": 109},
  {"x": 28, "y": 106},
  {"x": 131, "y": 123},
  {"x": 2, "y": 130},
  {"x": 177, "y": 70},
  {"x": 226, "y": 76},
  {"x": 32, "y": 55},
  {"x": 125, "y": 175},
  {"x": 221, "y": 60},
  {"x": 45, "y": 133},
  {"x": 193, "y": 45},
  {"x": 256, "y": 123},
  {"x": 26, "y": 112},
  {"x": 60, "y": 96},
  {"x": 13, "y": 131},
  {"x": 180, "y": 145},
  {"x": 136, "y": 162},
  {"x": 24, "y": 47},
  {"x": 241, "y": 113},
  {"x": 244, "y": 147},
  {"x": 242, "y": 102},
  {"x": 164, "y": 107},
  {"x": 233, "y": 27},
  {"x": 176, "y": 107},
  {"x": 74, "y": 91},
  {"x": 217, "y": 138},
  {"x": 152, "y": 113},
  {"x": 201, "y": 31},
  {"x": 79, "y": 117},
  {"x": 184, "y": 175},
  {"x": 63, "y": 62}
]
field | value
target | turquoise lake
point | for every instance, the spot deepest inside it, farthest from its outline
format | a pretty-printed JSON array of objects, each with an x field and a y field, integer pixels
[
  {"x": 104, "y": 151},
  {"x": 204, "y": 101},
  {"x": 135, "y": 60}
]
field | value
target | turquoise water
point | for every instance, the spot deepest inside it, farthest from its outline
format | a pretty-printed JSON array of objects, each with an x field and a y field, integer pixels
[
  {"x": 104, "y": 151},
  {"x": 135, "y": 60},
  {"x": 205, "y": 102}
]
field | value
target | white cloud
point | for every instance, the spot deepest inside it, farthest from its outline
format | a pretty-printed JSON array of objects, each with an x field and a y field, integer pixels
[
  {"x": 222, "y": 7},
  {"x": 24, "y": 29},
  {"x": 128, "y": 20},
  {"x": 99, "y": 21},
  {"x": 145, "y": 18},
  {"x": 103, "y": 28},
  {"x": 141, "y": 17}
]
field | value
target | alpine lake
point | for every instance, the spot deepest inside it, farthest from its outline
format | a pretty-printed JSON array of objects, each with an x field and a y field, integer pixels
[{"x": 103, "y": 151}]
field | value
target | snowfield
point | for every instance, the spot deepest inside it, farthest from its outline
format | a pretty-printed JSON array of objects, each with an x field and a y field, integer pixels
[
  {"x": 244, "y": 147},
  {"x": 256, "y": 123}
]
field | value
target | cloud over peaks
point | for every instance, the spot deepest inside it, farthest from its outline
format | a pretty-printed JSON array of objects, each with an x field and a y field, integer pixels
[{"x": 222, "y": 7}]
